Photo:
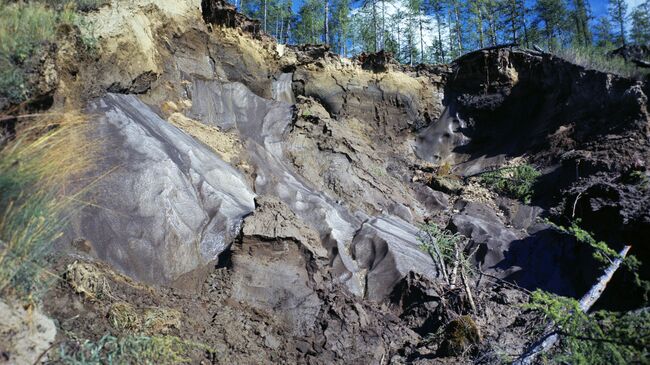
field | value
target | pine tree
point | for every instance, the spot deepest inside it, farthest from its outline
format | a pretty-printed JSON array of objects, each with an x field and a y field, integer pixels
[
  {"x": 603, "y": 33},
  {"x": 341, "y": 25},
  {"x": 580, "y": 15},
  {"x": 513, "y": 14},
  {"x": 617, "y": 12},
  {"x": 476, "y": 11},
  {"x": 437, "y": 8},
  {"x": 640, "y": 32},
  {"x": 491, "y": 16},
  {"x": 457, "y": 30},
  {"x": 553, "y": 14},
  {"x": 372, "y": 4},
  {"x": 416, "y": 8},
  {"x": 311, "y": 22}
]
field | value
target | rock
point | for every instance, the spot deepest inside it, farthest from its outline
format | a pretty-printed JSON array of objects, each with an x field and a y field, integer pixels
[
  {"x": 449, "y": 185},
  {"x": 24, "y": 335},
  {"x": 541, "y": 258},
  {"x": 273, "y": 220},
  {"x": 388, "y": 248},
  {"x": 263, "y": 125},
  {"x": 137, "y": 30},
  {"x": 520, "y": 216},
  {"x": 432, "y": 199},
  {"x": 632, "y": 52},
  {"x": 272, "y": 268},
  {"x": 419, "y": 303},
  {"x": 485, "y": 229}
]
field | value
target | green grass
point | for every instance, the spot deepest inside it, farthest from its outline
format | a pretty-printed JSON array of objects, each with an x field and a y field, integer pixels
[
  {"x": 446, "y": 241},
  {"x": 25, "y": 27},
  {"x": 129, "y": 350},
  {"x": 597, "y": 59},
  {"x": 516, "y": 182}
]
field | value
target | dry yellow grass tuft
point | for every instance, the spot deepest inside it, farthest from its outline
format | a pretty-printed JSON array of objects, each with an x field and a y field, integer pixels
[{"x": 41, "y": 174}]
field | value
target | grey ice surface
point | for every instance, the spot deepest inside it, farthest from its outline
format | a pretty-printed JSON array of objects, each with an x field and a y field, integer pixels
[
  {"x": 165, "y": 204},
  {"x": 347, "y": 235}
]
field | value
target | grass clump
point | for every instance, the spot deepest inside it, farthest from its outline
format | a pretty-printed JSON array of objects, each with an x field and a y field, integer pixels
[
  {"x": 597, "y": 59},
  {"x": 600, "y": 338},
  {"x": 438, "y": 241},
  {"x": 130, "y": 350},
  {"x": 36, "y": 197},
  {"x": 124, "y": 317},
  {"x": 25, "y": 28},
  {"x": 461, "y": 335},
  {"x": 516, "y": 182},
  {"x": 162, "y": 320}
]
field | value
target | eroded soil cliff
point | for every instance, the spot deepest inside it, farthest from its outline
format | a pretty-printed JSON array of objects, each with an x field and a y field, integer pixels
[{"x": 266, "y": 200}]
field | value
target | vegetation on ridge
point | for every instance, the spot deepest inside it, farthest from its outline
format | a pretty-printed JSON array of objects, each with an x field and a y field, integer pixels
[{"x": 25, "y": 28}]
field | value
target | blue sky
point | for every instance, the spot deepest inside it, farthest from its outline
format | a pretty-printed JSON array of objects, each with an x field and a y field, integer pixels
[{"x": 598, "y": 7}]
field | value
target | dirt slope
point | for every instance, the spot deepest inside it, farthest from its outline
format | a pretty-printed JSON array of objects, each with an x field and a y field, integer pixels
[{"x": 265, "y": 200}]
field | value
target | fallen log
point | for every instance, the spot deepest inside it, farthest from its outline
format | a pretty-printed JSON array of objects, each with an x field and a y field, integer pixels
[{"x": 586, "y": 302}]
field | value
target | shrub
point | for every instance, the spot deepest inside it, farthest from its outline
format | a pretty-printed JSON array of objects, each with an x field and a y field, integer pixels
[
  {"x": 604, "y": 254},
  {"x": 600, "y": 338},
  {"x": 516, "y": 182}
]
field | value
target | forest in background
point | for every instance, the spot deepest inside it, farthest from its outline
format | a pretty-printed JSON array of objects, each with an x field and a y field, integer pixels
[{"x": 437, "y": 31}]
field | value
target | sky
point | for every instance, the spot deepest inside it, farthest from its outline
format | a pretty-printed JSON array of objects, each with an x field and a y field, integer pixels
[{"x": 598, "y": 7}]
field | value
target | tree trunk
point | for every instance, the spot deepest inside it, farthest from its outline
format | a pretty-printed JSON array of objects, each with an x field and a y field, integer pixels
[
  {"x": 621, "y": 22},
  {"x": 459, "y": 29},
  {"x": 421, "y": 40},
  {"x": 265, "y": 12},
  {"x": 383, "y": 24},
  {"x": 374, "y": 24},
  {"x": 327, "y": 24},
  {"x": 441, "y": 49}
]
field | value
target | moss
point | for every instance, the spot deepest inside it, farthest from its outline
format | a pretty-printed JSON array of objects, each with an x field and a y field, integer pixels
[
  {"x": 87, "y": 279},
  {"x": 124, "y": 317},
  {"x": 461, "y": 335},
  {"x": 162, "y": 320}
]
